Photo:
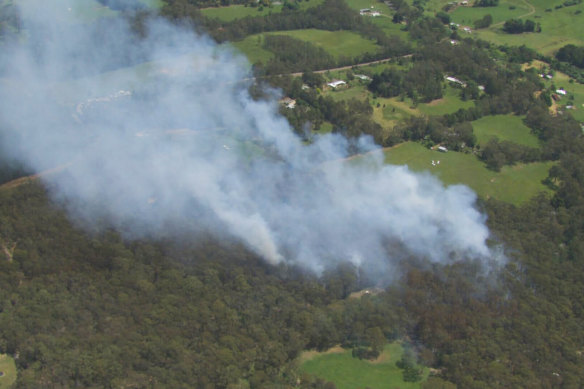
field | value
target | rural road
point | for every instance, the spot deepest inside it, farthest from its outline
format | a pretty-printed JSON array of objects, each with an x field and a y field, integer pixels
[{"x": 349, "y": 66}]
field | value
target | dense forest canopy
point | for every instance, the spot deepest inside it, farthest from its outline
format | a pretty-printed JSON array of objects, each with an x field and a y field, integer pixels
[{"x": 83, "y": 308}]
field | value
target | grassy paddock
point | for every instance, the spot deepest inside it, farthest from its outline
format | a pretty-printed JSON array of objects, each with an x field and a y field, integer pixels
[
  {"x": 513, "y": 184},
  {"x": 450, "y": 103},
  {"x": 336, "y": 43},
  {"x": 347, "y": 372},
  {"x": 467, "y": 15},
  {"x": 251, "y": 46},
  {"x": 504, "y": 127},
  {"x": 559, "y": 27},
  {"x": 355, "y": 92},
  {"x": 8, "y": 367}
]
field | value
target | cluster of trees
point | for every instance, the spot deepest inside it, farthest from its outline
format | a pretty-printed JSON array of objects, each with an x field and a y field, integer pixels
[
  {"x": 518, "y": 26},
  {"x": 497, "y": 153},
  {"x": 423, "y": 82},
  {"x": 291, "y": 54},
  {"x": 572, "y": 54},
  {"x": 483, "y": 22},
  {"x": 352, "y": 118}
]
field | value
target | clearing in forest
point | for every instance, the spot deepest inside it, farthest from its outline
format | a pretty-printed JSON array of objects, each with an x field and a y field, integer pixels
[
  {"x": 513, "y": 184},
  {"x": 8, "y": 371},
  {"x": 505, "y": 127},
  {"x": 349, "y": 373}
]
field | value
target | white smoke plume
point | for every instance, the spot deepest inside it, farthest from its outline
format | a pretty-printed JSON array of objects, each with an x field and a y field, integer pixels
[{"x": 177, "y": 143}]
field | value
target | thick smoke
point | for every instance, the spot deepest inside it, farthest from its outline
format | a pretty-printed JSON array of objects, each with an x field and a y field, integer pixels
[{"x": 176, "y": 142}]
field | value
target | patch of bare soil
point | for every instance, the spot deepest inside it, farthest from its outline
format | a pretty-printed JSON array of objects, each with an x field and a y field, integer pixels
[
  {"x": 308, "y": 355},
  {"x": 435, "y": 102}
]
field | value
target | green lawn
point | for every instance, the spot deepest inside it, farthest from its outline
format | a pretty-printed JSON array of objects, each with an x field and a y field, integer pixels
[
  {"x": 352, "y": 373},
  {"x": 8, "y": 367},
  {"x": 450, "y": 103},
  {"x": 232, "y": 12},
  {"x": 504, "y": 127},
  {"x": 514, "y": 184}
]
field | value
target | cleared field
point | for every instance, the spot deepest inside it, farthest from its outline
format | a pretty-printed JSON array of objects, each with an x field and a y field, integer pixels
[
  {"x": 337, "y": 43},
  {"x": 347, "y": 372},
  {"x": 504, "y": 127},
  {"x": 392, "y": 110},
  {"x": 8, "y": 369},
  {"x": 507, "y": 9},
  {"x": 355, "y": 92},
  {"x": 232, "y": 12},
  {"x": 514, "y": 184},
  {"x": 251, "y": 46},
  {"x": 450, "y": 103}
]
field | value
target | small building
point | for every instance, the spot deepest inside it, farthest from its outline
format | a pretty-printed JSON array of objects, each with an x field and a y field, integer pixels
[
  {"x": 455, "y": 80},
  {"x": 363, "y": 77},
  {"x": 288, "y": 102},
  {"x": 442, "y": 149},
  {"x": 336, "y": 83},
  {"x": 561, "y": 91}
]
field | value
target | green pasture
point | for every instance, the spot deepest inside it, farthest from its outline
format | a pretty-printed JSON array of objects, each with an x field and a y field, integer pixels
[
  {"x": 384, "y": 21},
  {"x": 8, "y": 367},
  {"x": 251, "y": 46},
  {"x": 504, "y": 127},
  {"x": 449, "y": 103},
  {"x": 358, "y": 92},
  {"x": 513, "y": 184},
  {"x": 507, "y": 9},
  {"x": 351, "y": 373},
  {"x": 559, "y": 27},
  {"x": 336, "y": 43},
  {"x": 392, "y": 110},
  {"x": 238, "y": 11}
]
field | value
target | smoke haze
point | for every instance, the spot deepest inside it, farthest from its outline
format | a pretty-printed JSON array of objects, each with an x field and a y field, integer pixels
[{"x": 177, "y": 143}]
